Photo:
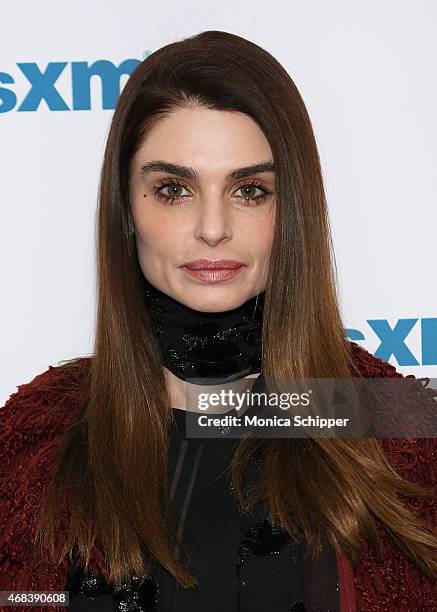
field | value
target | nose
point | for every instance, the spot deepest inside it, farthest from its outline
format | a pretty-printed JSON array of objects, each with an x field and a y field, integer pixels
[{"x": 213, "y": 221}]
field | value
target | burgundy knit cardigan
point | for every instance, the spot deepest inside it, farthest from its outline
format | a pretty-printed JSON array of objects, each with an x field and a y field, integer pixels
[{"x": 31, "y": 426}]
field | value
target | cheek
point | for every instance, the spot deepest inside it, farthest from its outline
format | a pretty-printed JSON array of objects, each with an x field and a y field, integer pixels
[
  {"x": 151, "y": 233},
  {"x": 268, "y": 230},
  {"x": 149, "y": 225},
  {"x": 155, "y": 235},
  {"x": 258, "y": 233}
]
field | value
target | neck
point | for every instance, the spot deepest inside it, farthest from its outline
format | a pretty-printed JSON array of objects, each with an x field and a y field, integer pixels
[
  {"x": 177, "y": 389},
  {"x": 205, "y": 347}
]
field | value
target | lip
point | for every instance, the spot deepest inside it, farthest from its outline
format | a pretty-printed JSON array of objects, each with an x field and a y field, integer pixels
[
  {"x": 210, "y": 264},
  {"x": 213, "y": 275},
  {"x": 213, "y": 271}
]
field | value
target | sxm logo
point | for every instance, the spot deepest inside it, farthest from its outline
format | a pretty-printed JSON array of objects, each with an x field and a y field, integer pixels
[
  {"x": 43, "y": 85},
  {"x": 393, "y": 340}
]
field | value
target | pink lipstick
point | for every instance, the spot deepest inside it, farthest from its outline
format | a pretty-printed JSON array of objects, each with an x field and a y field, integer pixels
[{"x": 213, "y": 270}]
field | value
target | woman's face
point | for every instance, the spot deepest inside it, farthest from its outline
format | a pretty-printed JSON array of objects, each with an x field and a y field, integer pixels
[{"x": 194, "y": 210}]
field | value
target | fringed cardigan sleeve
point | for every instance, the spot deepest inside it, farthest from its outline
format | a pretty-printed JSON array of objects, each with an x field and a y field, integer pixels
[
  {"x": 32, "y": 423},
  {"x": 396, "y": 583}
]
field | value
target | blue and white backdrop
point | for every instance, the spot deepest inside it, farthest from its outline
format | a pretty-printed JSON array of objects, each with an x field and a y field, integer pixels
[{"x": 367, "y": 72}]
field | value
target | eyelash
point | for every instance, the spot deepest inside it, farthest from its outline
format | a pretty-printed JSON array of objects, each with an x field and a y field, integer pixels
[{"x": 169, "y": 200}]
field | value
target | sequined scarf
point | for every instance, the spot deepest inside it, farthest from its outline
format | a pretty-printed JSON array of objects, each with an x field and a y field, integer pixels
[{"x": 207, "y": 346}]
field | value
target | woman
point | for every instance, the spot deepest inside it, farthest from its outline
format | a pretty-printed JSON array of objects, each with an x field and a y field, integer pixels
[{"x": 210, "y": 156}]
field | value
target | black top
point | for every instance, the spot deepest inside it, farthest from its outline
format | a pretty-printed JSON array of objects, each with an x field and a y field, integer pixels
[{"x": 244, "y": 563}]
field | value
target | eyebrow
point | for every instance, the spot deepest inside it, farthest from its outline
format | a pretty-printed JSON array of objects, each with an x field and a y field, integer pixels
[{"x": 190, "y": 173}]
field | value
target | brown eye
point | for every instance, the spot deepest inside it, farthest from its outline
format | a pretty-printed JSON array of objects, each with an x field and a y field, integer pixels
[
  {"x": 174, "y": 191},
  {"x": 252, "y": 190},
  {"x": 251, "y": 187}
]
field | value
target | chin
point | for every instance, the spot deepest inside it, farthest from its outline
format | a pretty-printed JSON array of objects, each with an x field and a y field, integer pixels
[{"x": 215, "y": 305}]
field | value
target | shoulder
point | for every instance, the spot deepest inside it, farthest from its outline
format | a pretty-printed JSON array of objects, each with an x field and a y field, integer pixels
[
  {"x": 413, "y": 458},
  {"x": 370, "y": 366},
  {"x": 42, "y": 408},
  {"x": 408, "y": 388},
  {"x": 58, "y": 382}
]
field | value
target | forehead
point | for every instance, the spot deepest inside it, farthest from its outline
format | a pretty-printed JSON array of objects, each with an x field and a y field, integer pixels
[{"x": 205, "y": 139}]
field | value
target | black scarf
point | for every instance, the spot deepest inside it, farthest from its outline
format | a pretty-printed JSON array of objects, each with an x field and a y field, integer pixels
[{"x": 217, "y": 347}]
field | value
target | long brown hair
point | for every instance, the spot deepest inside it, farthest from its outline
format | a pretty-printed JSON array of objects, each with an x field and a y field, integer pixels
[{"x": 113, "y": 457}]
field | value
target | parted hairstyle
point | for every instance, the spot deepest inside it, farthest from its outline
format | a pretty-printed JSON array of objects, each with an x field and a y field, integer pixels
[{"x": 113, "y": 456}]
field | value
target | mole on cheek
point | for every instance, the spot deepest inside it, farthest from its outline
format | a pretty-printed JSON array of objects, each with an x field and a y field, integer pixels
[{"x": 145, "y": 195}]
